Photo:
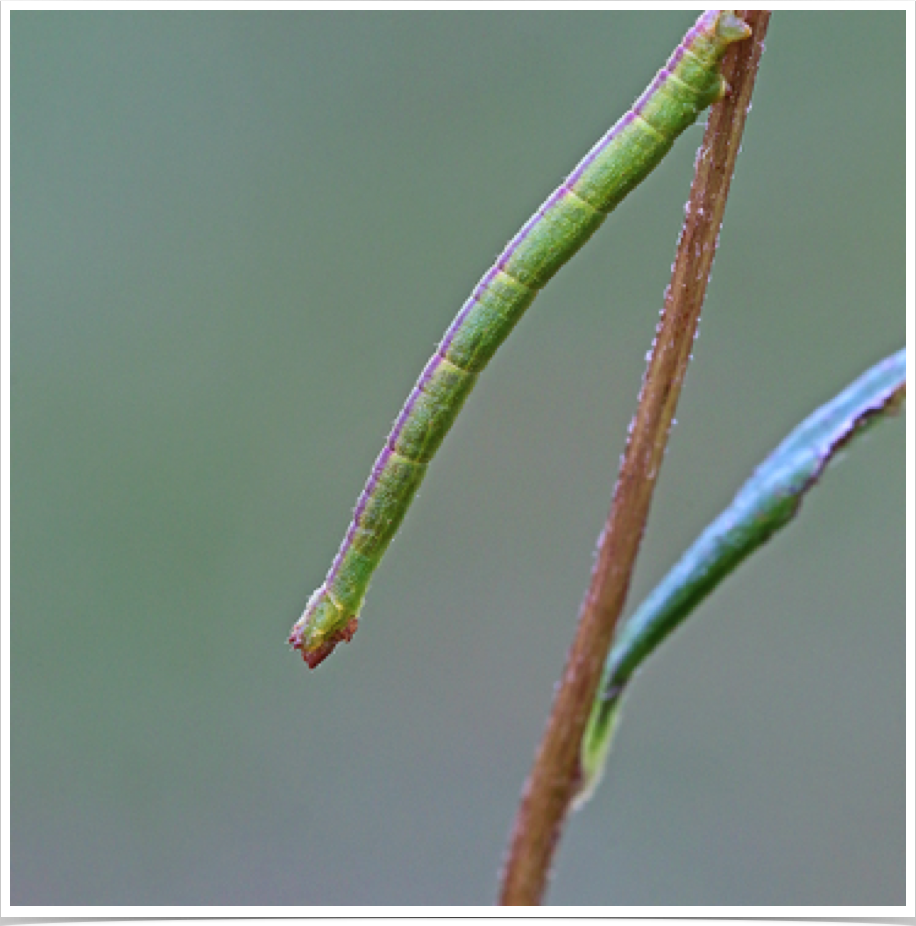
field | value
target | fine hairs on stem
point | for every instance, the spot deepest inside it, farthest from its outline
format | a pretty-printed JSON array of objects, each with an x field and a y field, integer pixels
[{"x": 556, "y": 774}]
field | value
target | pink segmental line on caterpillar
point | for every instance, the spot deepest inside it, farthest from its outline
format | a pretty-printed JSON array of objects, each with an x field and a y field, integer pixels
[{"x": 620, "y": 160}]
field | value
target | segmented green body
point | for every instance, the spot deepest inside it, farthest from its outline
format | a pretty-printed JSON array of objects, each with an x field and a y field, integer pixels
[{"x": 688, "y": 83}]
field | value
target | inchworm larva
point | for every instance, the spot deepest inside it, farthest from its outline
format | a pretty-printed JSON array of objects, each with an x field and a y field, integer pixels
[{"x": 688, "y": 83}]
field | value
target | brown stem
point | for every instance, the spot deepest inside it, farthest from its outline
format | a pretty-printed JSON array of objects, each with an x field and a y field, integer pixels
[{"x": 553, "y": 779}]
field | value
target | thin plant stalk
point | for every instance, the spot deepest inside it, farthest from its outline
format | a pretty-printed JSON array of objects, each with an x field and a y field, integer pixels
[{"x": 557, "y": 774}]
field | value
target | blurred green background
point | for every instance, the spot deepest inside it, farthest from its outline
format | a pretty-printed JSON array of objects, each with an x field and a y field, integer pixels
[{"x": 237, "y": 238}]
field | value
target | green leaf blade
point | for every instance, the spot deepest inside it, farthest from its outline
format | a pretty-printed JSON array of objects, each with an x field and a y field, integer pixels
[{"x": 765, "y": 503}]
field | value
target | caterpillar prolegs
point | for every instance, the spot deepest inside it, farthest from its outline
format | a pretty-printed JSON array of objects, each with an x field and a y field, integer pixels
[{"x": 689, "y": 82}]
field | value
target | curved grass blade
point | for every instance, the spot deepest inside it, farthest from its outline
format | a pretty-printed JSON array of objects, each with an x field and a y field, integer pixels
[
  {"x": 767, "y": 502},
  {"x": 620, "y": 160}
]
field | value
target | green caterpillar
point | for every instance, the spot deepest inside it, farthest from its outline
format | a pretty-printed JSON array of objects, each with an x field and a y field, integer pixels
[{"x": 689, "y": 82}]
